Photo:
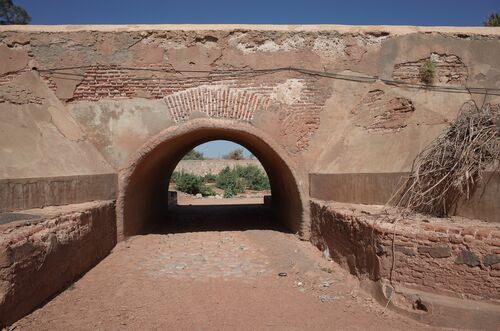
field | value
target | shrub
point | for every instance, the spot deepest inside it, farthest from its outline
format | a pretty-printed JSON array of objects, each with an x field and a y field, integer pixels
[
  {"x": 193, "y": 155},
  {"x": 174, "y": 177},
  {"x": 427, "y": 71},
  {"x": 255, "y": 178},
  {"x": 237, "y": 154},
  {"x": 239, "y": 179},
  {"x": 226, "y": 179},
  {"x": 192, "y": 184},
  {"x": 209, "y": 178},
  {"x": 229, "y": 192}
]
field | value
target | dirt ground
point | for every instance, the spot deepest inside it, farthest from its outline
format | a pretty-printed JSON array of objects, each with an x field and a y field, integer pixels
[{"x": 247, "y": 279}]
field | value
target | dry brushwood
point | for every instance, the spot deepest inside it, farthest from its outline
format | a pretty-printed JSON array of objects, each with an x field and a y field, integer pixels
[{"x": 451, "y": 166}]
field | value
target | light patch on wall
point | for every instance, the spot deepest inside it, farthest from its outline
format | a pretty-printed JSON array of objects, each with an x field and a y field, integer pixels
[
  {"x": 290, "y": 44},
  {"x": 289, "y": 92},
  {"x": 329, "y": 46},
  {"x": 371, "y": 40}
]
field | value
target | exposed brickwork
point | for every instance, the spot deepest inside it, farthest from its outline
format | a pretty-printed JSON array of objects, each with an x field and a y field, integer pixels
[
  {"x": 301, "y": 125},
  {"x": 379, "y": 112},
  {"x": 216, "y": 101},
  {"x": 18, "y": 95},
  {"x": 10, "y": 77},
  {"x": 449, "y": 70},
  {"x": 232, "y": 97},
  {"x": 38, "y": 258},
  {"x": 436, "y": 255}
]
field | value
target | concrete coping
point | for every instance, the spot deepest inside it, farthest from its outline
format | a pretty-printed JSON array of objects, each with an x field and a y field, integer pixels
[
  {"x": 15, "y": 219},
  {"x": 393, "y": 29}
]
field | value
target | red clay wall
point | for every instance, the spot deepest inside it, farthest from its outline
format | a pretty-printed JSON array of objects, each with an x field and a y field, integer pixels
[
  {"x": 41, "y": 257},
  {"x": 435, "y": 255}
]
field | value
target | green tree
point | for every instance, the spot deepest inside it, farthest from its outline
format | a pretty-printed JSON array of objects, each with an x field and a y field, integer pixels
[
  {"x": 493, "y": 20},
  {"x": 193, "y": 155},
  {"x": 12, "y": 14},
  {"x": 237, "y": 154}
]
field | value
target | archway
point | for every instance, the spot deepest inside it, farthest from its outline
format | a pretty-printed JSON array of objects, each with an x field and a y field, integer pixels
[{"x": 142, "y": 198}]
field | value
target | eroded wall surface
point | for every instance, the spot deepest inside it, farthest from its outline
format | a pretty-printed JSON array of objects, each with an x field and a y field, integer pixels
[
  {"x": 78, "y": 102},
  {"x": 439, "y": 271},
  {"x": 40, "y": 257},
  {"x": 82, "y": 100}
]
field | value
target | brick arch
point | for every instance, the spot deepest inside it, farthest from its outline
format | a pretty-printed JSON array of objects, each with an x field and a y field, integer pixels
[
  {"x": 143, "y": 180},
  {"x": 216, "y": 101}
]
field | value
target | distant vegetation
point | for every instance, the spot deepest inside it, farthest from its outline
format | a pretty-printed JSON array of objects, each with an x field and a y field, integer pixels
[
  {"x": 493, "y": 20},
  {"x": 191, "y": 184},
  {"x": 231, "y": 180},
  {"x": 12, "y": 14},
  {"x": 236, "y": 154},
  {"x": 194, "y": 155}
]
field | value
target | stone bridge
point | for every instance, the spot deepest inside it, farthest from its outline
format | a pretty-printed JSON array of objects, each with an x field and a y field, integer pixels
[{"x": 100, "y": 113}]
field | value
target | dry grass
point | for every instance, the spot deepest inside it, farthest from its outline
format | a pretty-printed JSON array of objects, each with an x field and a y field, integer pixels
[{"x": 451, "y": 166}]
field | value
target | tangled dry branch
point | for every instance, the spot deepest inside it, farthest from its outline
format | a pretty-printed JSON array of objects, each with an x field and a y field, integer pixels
[{"x": 451, "y": 166}]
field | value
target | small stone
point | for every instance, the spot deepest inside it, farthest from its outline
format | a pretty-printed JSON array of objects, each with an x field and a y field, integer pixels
[
  {"x": 326, "y": 253},
  {"x": 325, "y": 284},
  {"x": 491, "y": 259},
  {"x": 405, "y": 250},
  {"x": 198, "y": 195},
  {"x": 435, "y": 252},
  {"x": 327, "y": 298},
  {"x": 379, "y": 249},
  {"x": 468, "y": 258},
  {"x": 282, "y": 274}
]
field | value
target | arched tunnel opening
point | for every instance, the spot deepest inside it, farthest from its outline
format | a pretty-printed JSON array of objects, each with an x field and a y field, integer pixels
[
  {"x": 219, "y": 186},
  {"x": 142, "y": 204}
]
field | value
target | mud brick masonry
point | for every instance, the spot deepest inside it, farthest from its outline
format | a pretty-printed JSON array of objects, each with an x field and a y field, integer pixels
[{"x": 94, "y": 119}]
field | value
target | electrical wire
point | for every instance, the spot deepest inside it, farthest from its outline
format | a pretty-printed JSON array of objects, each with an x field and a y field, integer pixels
[{"x": 223, "y": 73}]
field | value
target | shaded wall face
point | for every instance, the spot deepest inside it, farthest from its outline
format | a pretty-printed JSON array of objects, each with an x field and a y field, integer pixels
[
  {"x": 122, "y": 87},
  {"x": 144, "y": 184}
]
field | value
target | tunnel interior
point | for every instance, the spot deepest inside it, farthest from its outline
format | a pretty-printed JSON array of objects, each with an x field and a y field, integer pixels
[{"x": 143, "y": 196}]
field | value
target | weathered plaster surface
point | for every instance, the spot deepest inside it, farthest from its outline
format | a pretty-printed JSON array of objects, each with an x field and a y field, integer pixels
[
  {"x": 79, "y": 104},
  {"x": 122, "y": 85}
]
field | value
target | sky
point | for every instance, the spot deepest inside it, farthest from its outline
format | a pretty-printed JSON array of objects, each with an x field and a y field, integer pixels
[
  {"x": 355, "y": 12},
  {"x": 361, "y": 12},
  {"x": 218, "y": 148}
]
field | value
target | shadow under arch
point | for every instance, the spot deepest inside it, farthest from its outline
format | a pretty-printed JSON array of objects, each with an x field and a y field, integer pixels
[{"x": 143, "y": 181}]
